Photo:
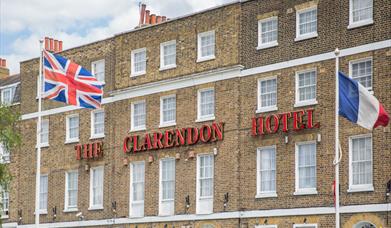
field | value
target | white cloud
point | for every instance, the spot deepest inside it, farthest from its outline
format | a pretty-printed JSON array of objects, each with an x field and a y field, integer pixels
[{"x": 75, "y": 22}]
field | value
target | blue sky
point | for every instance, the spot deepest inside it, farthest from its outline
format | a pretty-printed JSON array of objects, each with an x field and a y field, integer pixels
[{"x": 75, "y": 22}]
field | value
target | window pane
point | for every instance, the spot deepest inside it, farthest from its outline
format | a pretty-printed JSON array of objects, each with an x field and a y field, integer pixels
[
  {"x": 207, "y": 103},
  {"x": 72, "y": 189},
  {"x": 138, "y": 181},
  {"x": 99, "y": 122},
  {"x": 206, "y": 175},
  {"x": 267, "y": 168},
  {"x": 362, "y": 73},
  {"x": 362, "y": 161},
  {"x": 269, "y": 31},
  {"x": 97, "y": 186},
  {"x": 139, "y": 115},
  {"x": 268, "y": 93},
  {"x": 308, "y": 22},
  {"x": 307, "y": 165},
  {"x": 207, "y": 44},
  {"x": 139, "y": 61},
  {"x": 169, "y": 54},
  {"x": 43, "y": 192},
  {"x": 73, "y": 127},
  {"x": 362, "y": 10},
  {"x": 168, "y": 179},
  {"x": 98, "y": 69},
  {"x": 307, "y": 86}
]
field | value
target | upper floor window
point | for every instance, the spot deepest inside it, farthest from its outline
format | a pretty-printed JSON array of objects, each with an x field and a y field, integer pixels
[
  {"x": 96, "y": 188},
  {"x": 305, "y": 88},
  {"x": 137, "y": 173},
  {"x": 266, "y": 172},
  {"x": 98, "y": 70},
  {"x": 72, "y": 128},
  {"x": 361, "y": 71},
  {"x": 267, "y": 94},
  {"x": 168, "y": 110},
  {"x": 206, "y": 104},
  {"x": 138, "y": 62},
  {"x": 167, "y": 186},
  {"x": 97, "y": 124},
  {"x": 205, "y": 179},
  {"x": 267, "y": 32},
  {"x": 306, "y": 23},
  {"x": 43, "y": 194},
  {"x": 168, "y": 55},
  {"x": 306, "y": 168},
  {"x": 44, "y": 133},
  {"x": 71, "y": 188},
  {"x": 360, "y": 13},
  {"x": 5, "y": 202},
  {"x": 7, "y": 95},
  {"x": 4, "y": 154},
  {"x": 360, "y": 163},
  {"x": 206, "y": 46},
  {"x": 138, "y": 116}
]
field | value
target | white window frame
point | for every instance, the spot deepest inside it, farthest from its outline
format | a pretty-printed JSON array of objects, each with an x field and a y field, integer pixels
[
  {"x": 358, "y": 23},
  {"x": 362, "y": 187},
  {"x": 138, "y": 128},
  {"x": 206, "y": 117},
  {"x": 164, "y": 66},
  {"x": 304, "y": 191},
  {"x": 265, "y": 194},
  {"x": 204, "y": 205},
  {"x": 265, "y": 226},
  {"x": 313, "y": 225},
  {"x": 370, "y": 89},
  {"x": 132, "y": 212},
  {"x": 5, "y": 155},
  {"x": 308, "y": 35},
  {"x": 314, "y": 101},
  {"x": 12, "y": 89},
  {"x": 44, "y": 210},
  {"x": 269, "y": 44},
  {"x": 100, "y": 135},
  {"x": 104, "y": 69},
  {"x": 67, "y": 132},
  {"x": 168, "y": 123},
  {"x": 132, "y": 68},
  {"x": 201, "y": 58},
  {"x": 96, "y": 206},
  {"x": 44, "y": 144},
  {"x": 166, "y": 206},
  {"x": 4, "y": 211},
  {"x": 261, "y": 109},
  {"x": 67, "y": 208}
]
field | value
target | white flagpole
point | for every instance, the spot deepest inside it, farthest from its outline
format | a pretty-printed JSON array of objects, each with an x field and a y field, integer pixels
[
  {"x": 337, "y": 159},
  {"x": 38, "y": 173}
]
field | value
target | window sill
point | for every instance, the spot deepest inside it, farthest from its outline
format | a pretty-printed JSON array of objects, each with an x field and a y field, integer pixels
[
  {"x": 137, "y": 74},
  {"x": 360, "y": 189},
  {"x": 97, "y": 136},
  {"x": 69, "y": 141},
  {"x": 167, "y": 67},
  {"x": 305, "y": 192},
  {"x": 266, "y": 195},
  {"x": 4, "y": 216},
  {"x": 305, "y": 103},
  {"x": 203, "y": 119},
  {"x": 43, "y": 145},
  {"x": 42, "y": 212},
  {"x": 360, "y": 24},
  {"x": 5, "y": 162},
  {"x": 205, "y": 58},
  {"x": 70, "y": 210},
  {"x": 95, "y": 208},
  {"x": 138, "y": 129},
  {"x": 267, "y": 45},
  {"x": 163, "y": 125},
  {"x": 306, "y": 36},
  {"x": 267, "y": 109}
]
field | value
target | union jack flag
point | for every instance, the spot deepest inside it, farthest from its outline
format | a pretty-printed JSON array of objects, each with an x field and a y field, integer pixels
[{"x": 70, "y": 83}]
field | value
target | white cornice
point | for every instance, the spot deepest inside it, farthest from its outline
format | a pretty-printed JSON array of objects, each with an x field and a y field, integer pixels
[{"x": 215, "y": 75}]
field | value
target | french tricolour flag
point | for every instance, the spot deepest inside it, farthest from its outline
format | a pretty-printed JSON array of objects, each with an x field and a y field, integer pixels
[{"x": 359, "y": 106}]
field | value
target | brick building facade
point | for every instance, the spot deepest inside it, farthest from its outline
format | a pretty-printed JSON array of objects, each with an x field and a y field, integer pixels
[{"x": 220, "y": 70}]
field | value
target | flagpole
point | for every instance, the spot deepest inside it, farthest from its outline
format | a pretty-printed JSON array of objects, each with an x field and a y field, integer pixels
[
  {"x": 38, "y": 172},
  {"x": 337, "y": 158}
]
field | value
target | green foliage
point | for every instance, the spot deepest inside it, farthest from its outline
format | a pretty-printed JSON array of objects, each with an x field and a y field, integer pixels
[{"x": 9, "y": 138}]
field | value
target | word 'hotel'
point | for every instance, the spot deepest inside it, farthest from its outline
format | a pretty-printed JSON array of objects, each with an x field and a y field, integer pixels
[{"x": 222, "y": 118}]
